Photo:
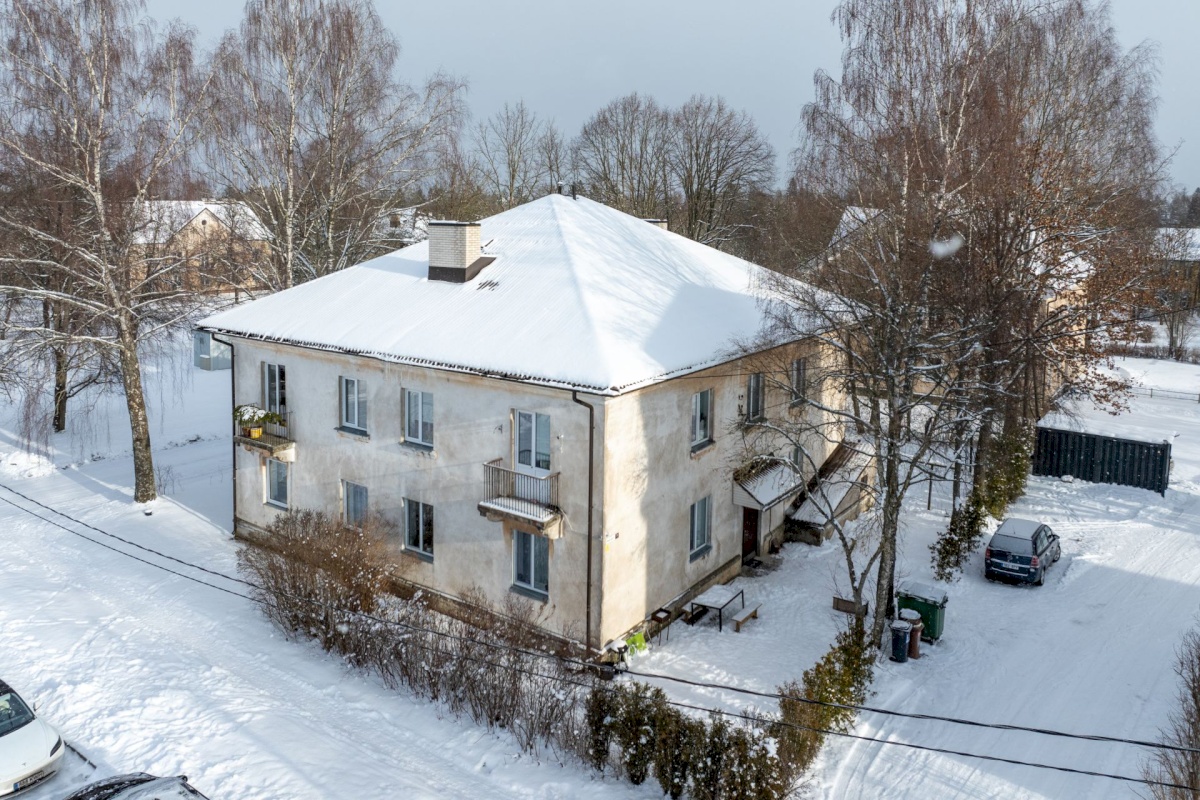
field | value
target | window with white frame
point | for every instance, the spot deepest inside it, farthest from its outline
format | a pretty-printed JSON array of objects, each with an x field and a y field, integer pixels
[
  {"x": 354, "y": 404},
  {"x": 354, "y": 503},
  {"x": 533, "y": 441},
  {"x": 418, "y": 412},
  {"x": 277, "y": 483},
  {"x": 418, "y": 526},
  {"x": 275, "y": 388},
  {"x": 799, "y": 380},
  {"x": 702, "y": 418},
  {"x": 531, "y": 562},
  {"x": 701, "y": 526},
  {"x": 754, "y": 397}
]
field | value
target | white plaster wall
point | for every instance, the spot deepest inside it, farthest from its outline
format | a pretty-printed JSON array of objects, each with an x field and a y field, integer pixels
[
  {"x": 652, "y": 478},
  {"x": 473, "y": 425}
]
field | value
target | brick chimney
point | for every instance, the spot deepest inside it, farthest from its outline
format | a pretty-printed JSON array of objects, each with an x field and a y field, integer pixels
[
  {"x": 454, "y": 251},
  {"x": 658, "y": 223}
]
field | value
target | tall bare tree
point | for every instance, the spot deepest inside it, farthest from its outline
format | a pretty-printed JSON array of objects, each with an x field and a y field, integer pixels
[
  {"x": 311, "y": 125},
  {"x": 717, "y": 157},
  {"x": 993, "y": 153},
  {"x": 96, "y": 110},
  {"x": 519, "y": 156},
  {"x": 620, "y": 156}
]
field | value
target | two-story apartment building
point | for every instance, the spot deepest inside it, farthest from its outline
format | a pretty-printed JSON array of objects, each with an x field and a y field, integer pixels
[{"x": 547, "y": 402}]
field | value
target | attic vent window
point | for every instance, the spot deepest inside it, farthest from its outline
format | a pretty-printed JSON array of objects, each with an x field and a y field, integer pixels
[
  {"x": 488, "y": 285},
  {"x": 454, "y": 251}
]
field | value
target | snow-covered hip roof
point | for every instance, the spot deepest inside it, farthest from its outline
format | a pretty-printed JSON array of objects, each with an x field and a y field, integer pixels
[{"x": 579, "y": 296}]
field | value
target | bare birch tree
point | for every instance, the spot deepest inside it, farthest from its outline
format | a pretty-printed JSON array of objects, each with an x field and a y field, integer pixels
[
  {"x": 312, "y": 127},
  {"x": 992, "y": 152},
  {"x": 96, "y": 108}
]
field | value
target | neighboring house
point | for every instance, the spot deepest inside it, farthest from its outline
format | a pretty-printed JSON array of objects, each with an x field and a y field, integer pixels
[
  {"x": 556, "y": 415},
  {"x": 1181, "y": 254},
  {"x": 223, "y": 244}
]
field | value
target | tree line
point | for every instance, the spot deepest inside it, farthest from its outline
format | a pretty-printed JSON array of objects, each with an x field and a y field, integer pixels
[
  {"x": 996, "y": 170},
  {"x": 300, "y": 114}
]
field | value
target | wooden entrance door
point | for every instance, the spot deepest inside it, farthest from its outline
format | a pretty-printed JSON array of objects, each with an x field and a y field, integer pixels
[{"x": 749, "y": 532}]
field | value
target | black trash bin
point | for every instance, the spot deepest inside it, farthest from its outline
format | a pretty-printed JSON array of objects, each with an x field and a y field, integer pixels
[{"x": 900, "y": 634}]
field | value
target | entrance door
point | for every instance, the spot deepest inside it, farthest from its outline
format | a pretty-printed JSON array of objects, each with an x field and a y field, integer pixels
[{"x": 749, "y": 532}]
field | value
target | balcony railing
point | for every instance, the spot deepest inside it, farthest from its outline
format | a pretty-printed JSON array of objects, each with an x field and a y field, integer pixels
[
  {"x": 276, "y": 436},
  {"x": 513, "y": 493}
]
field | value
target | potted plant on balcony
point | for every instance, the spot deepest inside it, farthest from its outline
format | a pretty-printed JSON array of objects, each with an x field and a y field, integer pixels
[{"x": 250, "y": 418}]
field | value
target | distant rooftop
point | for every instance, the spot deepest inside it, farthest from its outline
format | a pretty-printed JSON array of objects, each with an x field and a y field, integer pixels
[{"x": 165, "y": 218}]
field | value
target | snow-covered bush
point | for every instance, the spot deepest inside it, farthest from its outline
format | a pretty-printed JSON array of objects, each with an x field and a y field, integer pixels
[
  {"x": 677, "y": 739},
  {"x": 314, "y": 573},
  {"x": 843, "y": 676},
  {"x": 690, "y": 757},
  {"x": 953, "y": 547},
  {"x": 318, "y": 579},
  {"x": 638, "y": 709}
]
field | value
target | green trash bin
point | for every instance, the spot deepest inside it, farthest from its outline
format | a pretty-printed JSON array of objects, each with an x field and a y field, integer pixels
[{"x": 929, "y": 602}]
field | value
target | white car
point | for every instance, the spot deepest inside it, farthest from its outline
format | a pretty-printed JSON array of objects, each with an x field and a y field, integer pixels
[{"x": 30, "y": 750}]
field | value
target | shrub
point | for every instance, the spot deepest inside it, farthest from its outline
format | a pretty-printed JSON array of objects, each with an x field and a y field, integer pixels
[
  {"x": 676, "y": 740},
  {"x": 638, "y": 708},
  {"x": 843, "y": 675},
  {"x": 601, "y": 706},
  {"x": 708, "y": 763},
  {"x": 1183, "y": 730},
  {"x": 315, "y": 573},
  {"x": 954, "y": 546},
  {"x": 1010, "y": 462}
]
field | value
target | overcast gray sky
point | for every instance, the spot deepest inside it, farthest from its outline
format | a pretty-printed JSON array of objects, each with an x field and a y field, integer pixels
[{"x": 566, "y": 59}]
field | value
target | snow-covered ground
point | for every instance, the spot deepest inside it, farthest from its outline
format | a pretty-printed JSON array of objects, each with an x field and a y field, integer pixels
[
  {"x": 148, "y": 671},
  {"x": 1091, "y": 652},
  {"x": 144, "y": 670}
]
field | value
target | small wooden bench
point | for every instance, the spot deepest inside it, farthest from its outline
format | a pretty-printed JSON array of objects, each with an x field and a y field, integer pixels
[
  {"x": 694, "y": 614},
  {"x": 744, "y": 616}
]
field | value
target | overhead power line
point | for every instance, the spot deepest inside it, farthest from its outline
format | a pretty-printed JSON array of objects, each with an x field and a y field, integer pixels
[{"x": 577, "y": 662}]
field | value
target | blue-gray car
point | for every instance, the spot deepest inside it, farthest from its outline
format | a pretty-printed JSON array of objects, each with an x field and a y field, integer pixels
[{"x": 1021, "y": 550}]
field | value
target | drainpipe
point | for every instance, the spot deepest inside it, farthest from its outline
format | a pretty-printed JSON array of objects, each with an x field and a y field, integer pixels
[
  {"x": 232, "y": 405},
  {"x": 587, "y": 641}
]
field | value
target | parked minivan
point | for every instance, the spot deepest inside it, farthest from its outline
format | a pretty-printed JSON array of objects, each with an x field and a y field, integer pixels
[{"x": 1021, "y": 550}]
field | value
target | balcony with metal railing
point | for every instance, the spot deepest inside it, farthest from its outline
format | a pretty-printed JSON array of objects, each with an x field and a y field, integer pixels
[
  {"x": 516, "y": 496},
  {"x": 276, "y": 439}
]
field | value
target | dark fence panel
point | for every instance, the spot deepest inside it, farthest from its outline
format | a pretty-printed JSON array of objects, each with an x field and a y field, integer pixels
[{"x": 1102, "y": 459}]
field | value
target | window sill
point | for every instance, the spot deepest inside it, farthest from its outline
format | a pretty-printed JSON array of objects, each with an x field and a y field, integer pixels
[
  {"x": 699, "y": 553},
  {"x": 274, "y": 504},
  {"x": 418, "y": 555},
  {"x": 698, "y": 449},
  {"x": 418, "y": 447},
  {"x": 354, "y": 433},
  {"x": 532, "y": 594}
]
